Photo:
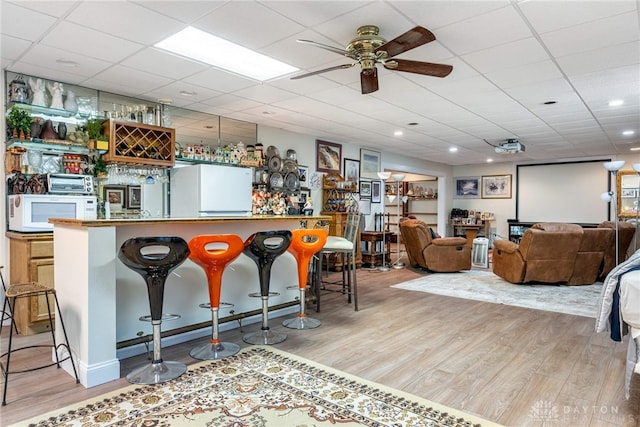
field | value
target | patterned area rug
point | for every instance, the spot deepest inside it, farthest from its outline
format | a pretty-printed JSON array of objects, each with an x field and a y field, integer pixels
[
  {"x": 482, "y": 285},
  {"x": 260, "y": 386}
]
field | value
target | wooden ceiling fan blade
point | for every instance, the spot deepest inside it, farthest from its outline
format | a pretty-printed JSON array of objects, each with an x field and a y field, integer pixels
[
  {"x": 413, "y": 38},
  {"x": 325, "y": 46},
  {"x": 369, "y": 80},
  {"x": 417, "y": 67},
  {"x": 313, "y": 73}
]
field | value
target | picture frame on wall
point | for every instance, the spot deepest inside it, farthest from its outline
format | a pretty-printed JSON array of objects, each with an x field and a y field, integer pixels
[
  {"x": 116, "y": 196},
  {"x": 467, "y": 187},
  {"x": 134, "y": 196},
  {"x": 376, "y": 191},
  {"x": 365, "y": 190},
  {"x": 352, "y": 172},
  {"x": 369, "y": 163},
  {"x": 496, "y": 186},
  {"x": 303, "y": 176},
  {"x": 328, "y": 156}
]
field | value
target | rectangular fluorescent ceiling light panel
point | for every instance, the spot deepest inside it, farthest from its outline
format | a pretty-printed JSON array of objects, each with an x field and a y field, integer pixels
[{"x": 212, "y": 50}]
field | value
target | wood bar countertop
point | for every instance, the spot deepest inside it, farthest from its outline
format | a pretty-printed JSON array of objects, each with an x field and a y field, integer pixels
[{"x": 139, "y": 221}]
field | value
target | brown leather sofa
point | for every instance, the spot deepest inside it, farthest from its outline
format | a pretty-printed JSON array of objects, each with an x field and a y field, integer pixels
[
  {"x": 626, "y": 231},
  {"x": 443, "y": 254},
  {"x": 546, "y": 253},
  {"x": 596, "y": 242}
]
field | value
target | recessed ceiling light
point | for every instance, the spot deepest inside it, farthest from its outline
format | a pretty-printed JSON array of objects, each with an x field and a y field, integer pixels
[
  {"x": 550, "y": 102},
  {"x": 165, "y": 101},
  {"x": 188, "y": 93},
  {"x": 67, "y": 62},
  {"x": 268, "y": 113},
  {"x": 489, "y": 160},
  {"x": 398, "y": 133},
  {"x": 628, "y": 132},
  {"x": 616, "y": 102},
  {"x": 413, "y": 124},
  {"x": 634, "y": 149},
  {"x": 212, "y": 50},
  {"x": 453, "y": 149}
]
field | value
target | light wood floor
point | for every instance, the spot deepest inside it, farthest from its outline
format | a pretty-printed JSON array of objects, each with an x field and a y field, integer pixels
[{"x": 514, "y": 366}]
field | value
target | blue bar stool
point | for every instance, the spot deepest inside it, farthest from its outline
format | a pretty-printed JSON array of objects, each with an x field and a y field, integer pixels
[
  {"x": 213, "y": 252},
  {"x": 263, "y": 248},
  {"x": 154, "y": 258}
]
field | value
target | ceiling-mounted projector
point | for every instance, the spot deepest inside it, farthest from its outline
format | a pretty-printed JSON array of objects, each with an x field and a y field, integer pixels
[{"x": 511, "y": 146}]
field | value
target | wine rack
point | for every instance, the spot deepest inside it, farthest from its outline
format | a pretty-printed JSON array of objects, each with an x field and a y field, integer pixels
[{"x": 139, "y": 143}]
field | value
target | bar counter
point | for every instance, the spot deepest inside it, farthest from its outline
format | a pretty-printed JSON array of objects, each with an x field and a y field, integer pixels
[{"x": 101, "y": 300}]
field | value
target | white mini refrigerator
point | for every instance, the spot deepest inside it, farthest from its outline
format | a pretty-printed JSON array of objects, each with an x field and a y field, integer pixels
[{"x": 210, "y": 191}]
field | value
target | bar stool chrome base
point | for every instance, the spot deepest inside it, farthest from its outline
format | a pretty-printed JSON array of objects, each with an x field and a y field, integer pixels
[
  {"x": 156, "y": 373},
  {"x": 264, "y": 337},
  {"x": 214, "y": 351},
  {"x": 301, "y": 322}
]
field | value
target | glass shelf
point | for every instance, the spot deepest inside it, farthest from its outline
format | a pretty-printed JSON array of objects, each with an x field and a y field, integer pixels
[
  {"x": 41, "y": 145},
  {"x": 53, "y": 114}
]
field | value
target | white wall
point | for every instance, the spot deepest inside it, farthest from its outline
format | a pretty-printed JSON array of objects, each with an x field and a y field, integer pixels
[{"x": 505, "y": 208}]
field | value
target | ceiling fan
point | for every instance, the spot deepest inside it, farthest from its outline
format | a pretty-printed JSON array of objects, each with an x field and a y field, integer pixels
[{"x": 369, "y": 49}]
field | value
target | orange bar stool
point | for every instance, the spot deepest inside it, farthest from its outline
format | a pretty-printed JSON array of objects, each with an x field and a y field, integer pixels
[
  {"x": 305, "y": 243},
  {"x": 154, "y": 258},
  {"x": 213, "y": 252},
  {"x": 263, "y": 248}
]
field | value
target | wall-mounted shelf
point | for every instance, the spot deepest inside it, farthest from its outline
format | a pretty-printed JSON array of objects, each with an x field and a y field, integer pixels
[
  {"x": 53, "y": 114},
  {"x": 138, "y": 143}
]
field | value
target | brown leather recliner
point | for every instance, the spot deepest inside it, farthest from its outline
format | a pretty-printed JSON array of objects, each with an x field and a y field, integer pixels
[
  {"x": 444, "y": 254},
  {"x": 626, "y": 231},
  {"x": 546, "y": 253},
  {"x": 590, "y": 257}
]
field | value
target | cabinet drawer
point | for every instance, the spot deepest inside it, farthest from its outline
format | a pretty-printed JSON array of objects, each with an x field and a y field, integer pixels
[{"x": 42, "y": 249}]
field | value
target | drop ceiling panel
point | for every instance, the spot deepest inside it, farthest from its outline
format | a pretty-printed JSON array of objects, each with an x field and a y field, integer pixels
[
  {"x": 260, "y": 25},
  {"x": 84, "y": 66},
  {"x": 163, "y": 63},
  {"x": 506, "y": 56},
  {"x": 494, "y": 28},
  {"x": 182, "y": 10},
  {"x": 593, "y": 35},
  {"x": 85, "y": 40},
  {"x": 526, "y": 74},
  {"x": 548, "y": 16},
  {"x": 15, "y": 17},
  {"x": 131, "y": 22},
  {"x": 311, "y": 13}
]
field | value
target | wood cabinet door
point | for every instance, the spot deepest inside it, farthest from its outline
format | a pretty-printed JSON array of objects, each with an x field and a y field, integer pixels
[{"x": 41, "y": 271}]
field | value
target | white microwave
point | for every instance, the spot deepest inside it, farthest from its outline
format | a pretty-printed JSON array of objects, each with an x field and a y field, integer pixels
[{"x": 31, "y": 212}]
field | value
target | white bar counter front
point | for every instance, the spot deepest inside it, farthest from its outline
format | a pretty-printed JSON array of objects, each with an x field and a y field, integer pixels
[{"x": 101, "y": 300}]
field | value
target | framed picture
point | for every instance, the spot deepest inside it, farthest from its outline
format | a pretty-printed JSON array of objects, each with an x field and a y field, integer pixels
[
  {"x": 364, "y": 207},
  {"x": 496, "y": 187},
  {"x": 303, "y": 175},
  {"x": 628, "y": 193},
  {"x": 352, "y": 172},
  {"x": 467, "y": 187},
  {"x": 328, "y": 156},
  {"x": 376, "y": 191},
  {"x": 116, "y": 196},
  {"x": 365, "y": 190},
  {"x": 134, "y": 195},
  {"x": 369, "y": 163}
]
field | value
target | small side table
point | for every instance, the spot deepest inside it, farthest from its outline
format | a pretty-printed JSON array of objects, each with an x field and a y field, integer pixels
[{"x": 371, "y": 255}]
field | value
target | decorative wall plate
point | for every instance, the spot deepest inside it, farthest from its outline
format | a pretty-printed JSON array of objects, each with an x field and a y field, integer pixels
[
  {"x": 289, "y": 166},
  {"x": 275, "y": 164},
  {"x": 291, "y": 181},
  {"x": 276, "y": 180}
]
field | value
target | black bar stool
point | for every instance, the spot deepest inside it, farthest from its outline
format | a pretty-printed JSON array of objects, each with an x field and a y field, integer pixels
[
  {"x": 154, "y": 258},
  {"x": 263, "y": 248},
  {"x": 33, "y": 290}
]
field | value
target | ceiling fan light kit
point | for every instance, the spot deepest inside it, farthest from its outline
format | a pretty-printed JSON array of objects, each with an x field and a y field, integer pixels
[{"x": 369, "y": 49}]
